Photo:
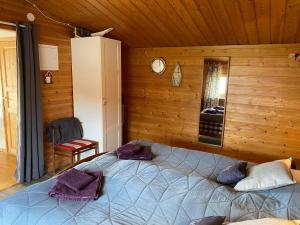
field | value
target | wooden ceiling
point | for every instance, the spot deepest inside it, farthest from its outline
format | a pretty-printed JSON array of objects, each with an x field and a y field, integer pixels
[{"x": 155, "y": 23}]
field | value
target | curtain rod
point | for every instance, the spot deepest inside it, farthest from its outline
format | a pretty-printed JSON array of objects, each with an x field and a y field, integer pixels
[{"x": 10, "y": 24}]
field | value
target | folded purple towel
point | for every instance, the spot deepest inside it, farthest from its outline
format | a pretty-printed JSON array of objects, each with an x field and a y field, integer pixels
[
  {"x": 75, "y": 179},
  {"x": 130, "y": 149},
  {"x": 90, "y": 192},
  {"x": 144, "y": 154}
]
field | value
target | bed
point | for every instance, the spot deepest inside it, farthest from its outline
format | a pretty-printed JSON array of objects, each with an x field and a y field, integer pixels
[
  {"x": 176, "y": 187},
  {"x": 210, "y": 128},
  {"x": 211, "y": 124}
]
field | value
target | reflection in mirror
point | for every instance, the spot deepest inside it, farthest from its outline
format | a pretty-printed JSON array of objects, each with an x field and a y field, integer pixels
[{"x": 213, "y": 100}]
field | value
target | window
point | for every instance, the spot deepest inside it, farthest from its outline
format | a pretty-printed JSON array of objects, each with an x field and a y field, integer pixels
[{"x": 222, "y": 87}]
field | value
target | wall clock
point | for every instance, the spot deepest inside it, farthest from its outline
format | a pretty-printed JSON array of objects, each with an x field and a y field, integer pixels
[{"x": 158, "y": 66}]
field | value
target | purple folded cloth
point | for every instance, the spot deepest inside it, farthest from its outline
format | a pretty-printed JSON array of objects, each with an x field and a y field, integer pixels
[
  {"x": 75, "y": 179},
  {"x": 210, "y": 111},
  {"x": 144, "y": 154},
  {"x": 90, "y": 192},
  {"x": 130, "y": 149}
]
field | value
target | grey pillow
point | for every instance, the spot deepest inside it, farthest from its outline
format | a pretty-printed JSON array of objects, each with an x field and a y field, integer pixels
[
  {"x": 210, "y": 220},
  {"x": 233, "y": 174}
]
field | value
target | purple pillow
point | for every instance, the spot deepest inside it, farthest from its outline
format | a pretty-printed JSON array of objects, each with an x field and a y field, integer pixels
[
  {"x": 210, "y": 220},
  {"x": 233, "y": 174}
]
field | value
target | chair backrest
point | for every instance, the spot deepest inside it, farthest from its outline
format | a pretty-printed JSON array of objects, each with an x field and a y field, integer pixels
[{"x": 64, "y": 130}]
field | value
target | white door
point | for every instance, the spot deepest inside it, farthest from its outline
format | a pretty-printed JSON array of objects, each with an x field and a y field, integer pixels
[{"x": 112, "y": 104}]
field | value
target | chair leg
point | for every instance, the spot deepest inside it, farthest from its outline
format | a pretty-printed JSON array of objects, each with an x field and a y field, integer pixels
[
  {"x": 53, "y": 162},
  {"x": 97, "y": 148},
  {"x": 73, "y": 158},
  {"x": 53, "y": 150}
]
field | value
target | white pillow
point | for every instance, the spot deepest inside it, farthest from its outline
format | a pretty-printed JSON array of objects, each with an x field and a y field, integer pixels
[
  {"x": 266, "y": 176},
  {"x": 267, "y": 221}
]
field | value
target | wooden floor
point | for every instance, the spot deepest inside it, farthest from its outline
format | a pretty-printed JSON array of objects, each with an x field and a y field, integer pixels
[
  {"x": 11, "y": 190},
  {"x": 18, "y": 187},
  {"x": 7, "y": 170}
]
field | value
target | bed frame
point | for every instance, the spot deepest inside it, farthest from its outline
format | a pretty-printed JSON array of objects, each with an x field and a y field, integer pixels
[
  {"x": 81, "y": 161},
  {"x": 295, "y": 165}
]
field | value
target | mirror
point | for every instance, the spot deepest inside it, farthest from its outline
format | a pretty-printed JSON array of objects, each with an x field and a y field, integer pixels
[
  {"x": 158, "y": 65},
  {"x": 213, "y": 100}
]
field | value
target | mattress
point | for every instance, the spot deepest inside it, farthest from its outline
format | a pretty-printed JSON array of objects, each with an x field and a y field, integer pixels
[
  {"x": 176, "y": 187},
  {"x": 217, "y": 118},
  {"x": 211, "y": 125},
  {"x": 211, "y": 128}
]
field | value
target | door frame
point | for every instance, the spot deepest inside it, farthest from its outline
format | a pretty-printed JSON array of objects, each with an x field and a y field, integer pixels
[{"x": 5, "y": 103}]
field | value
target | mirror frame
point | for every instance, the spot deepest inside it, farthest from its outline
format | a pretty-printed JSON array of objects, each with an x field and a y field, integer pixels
[
  {"x": 225, "y": 102},
  {"x": 164, "y": 63}
]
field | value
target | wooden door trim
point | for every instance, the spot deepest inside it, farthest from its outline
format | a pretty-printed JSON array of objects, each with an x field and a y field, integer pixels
[
  {"x": 2, "y": 82},
  {"x": 3, "y": 71}
]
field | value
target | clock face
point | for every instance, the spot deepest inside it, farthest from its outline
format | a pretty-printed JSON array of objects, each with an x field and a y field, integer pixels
[{"x": 158, "y": 65}]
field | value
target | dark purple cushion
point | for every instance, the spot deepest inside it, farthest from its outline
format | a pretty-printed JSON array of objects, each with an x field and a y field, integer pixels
[
  {"x": 145, "y": 154},
  {"x": 210, "y": 220},
  {"x": 233, "y": 174},
  {"x": 130, "y": 149},
  {"x": 75, "y": 179}
]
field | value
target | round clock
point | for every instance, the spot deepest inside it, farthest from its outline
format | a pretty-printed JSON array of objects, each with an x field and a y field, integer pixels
[{"x": 158, "y": 65}]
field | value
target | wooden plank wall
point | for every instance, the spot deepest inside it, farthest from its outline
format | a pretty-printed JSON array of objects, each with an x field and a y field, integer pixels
[
  {"x": 144, "y": 23},
  {"x": 262, "y": 117},
  {"x": 263, "y": 109},
  {"x": 57, "y": 97}
]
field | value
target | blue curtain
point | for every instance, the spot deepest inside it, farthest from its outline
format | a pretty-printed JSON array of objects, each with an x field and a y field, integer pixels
[{"x": 30, "y": 157}]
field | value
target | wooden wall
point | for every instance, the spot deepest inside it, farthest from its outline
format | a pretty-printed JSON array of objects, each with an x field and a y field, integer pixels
[
  {"x": 148, "y": 23},
  {"x": 262, "y": 117},
  {"x": 57, "y": 97},
  {"x": 263, "y": 105}
]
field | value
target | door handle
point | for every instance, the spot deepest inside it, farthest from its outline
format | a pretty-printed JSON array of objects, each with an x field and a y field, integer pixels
[{"x": 104, "y": 101}]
